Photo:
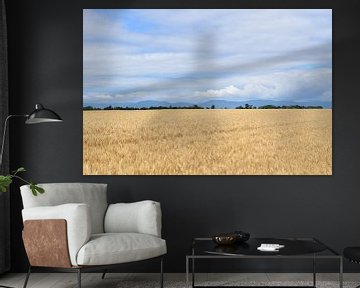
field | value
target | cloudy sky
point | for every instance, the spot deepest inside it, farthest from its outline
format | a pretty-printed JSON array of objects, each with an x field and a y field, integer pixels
[{"x": 183, "y": 55}]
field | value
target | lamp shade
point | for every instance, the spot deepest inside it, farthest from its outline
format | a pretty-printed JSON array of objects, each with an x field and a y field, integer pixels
[{"x": 42, "y": 115}]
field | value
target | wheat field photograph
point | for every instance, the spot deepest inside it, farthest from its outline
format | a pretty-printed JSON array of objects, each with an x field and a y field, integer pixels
[
  {"x": 207, "y": 92},
  {"x": 208, "y": 142}
]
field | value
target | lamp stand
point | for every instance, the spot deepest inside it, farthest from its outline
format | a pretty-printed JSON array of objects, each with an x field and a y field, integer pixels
[
  {"x": 4, "y": 135},
  {"x": 39, "y": 115},
  {"x": 2, "y": 152}
]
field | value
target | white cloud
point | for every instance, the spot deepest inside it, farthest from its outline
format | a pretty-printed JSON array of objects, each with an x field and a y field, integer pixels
[
  {"x": 224, "y": 92},
  {"x": 301, "y": 86},
  {"x": 98, "y": 98},
  {"x": 183, "y": 54}
]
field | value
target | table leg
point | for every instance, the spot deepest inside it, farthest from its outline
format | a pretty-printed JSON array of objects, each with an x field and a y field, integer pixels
[
  {"x": 341, "y": 273},
  {"x": 193, "y": 272},
  {"x": 187, "y": 272},
  {"x": 314, "y": 271}
]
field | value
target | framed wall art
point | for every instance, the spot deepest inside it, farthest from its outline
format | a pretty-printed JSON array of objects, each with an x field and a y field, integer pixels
[{"x": 207, "y": 92}]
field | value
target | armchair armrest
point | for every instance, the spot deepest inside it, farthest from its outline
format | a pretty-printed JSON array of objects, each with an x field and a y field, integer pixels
[
  {"x": 77, "y": 219},
  {"x": 138, "y": 217}
]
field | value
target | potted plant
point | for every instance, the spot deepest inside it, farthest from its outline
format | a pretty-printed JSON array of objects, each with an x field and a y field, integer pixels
[{"x": 6, "y": 180}]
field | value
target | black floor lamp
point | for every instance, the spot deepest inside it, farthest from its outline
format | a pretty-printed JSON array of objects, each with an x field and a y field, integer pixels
[{"x": 39, "y": 115}]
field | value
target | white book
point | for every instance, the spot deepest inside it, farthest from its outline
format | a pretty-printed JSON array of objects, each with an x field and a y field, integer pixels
[{"x": 270, "y": 247}]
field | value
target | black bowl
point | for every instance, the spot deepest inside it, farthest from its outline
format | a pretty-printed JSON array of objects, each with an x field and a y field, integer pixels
[
  {"x": 241, "y": 236},
  {"x": 231, "y": 238},
  {"x": 224, "y": 239}
]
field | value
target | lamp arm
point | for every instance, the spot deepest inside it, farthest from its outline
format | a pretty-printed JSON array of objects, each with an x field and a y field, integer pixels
[{"x": 4, "y": 134}]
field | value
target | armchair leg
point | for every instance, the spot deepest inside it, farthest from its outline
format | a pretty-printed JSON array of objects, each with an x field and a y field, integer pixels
[
  {"x": 79, "y": 277},
  {"x": 161, "y": 273},
  {"x": 103, "y": 275},
  {"x": 27, "y": 277}
]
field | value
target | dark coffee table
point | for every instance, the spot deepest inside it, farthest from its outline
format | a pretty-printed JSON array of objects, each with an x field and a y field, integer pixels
[{"x": 295, "y": 248}]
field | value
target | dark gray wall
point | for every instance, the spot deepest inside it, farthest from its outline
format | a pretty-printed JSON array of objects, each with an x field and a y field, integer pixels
[{"x": 45, "y": 50}]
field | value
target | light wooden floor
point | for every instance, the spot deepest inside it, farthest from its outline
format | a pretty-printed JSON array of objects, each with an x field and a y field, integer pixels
[{"x": 113, "y": 280}]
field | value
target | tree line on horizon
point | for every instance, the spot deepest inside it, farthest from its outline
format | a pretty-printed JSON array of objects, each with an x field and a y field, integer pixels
[{"x": 246, "y": 106}]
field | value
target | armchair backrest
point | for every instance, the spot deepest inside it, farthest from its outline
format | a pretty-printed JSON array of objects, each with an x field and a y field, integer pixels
[{"x": 92, "y": 194}]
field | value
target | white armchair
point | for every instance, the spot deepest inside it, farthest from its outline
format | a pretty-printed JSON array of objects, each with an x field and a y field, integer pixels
[{"x": 72, "y": 228}]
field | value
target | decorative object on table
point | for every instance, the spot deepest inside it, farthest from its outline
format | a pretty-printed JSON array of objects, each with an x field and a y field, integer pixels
[
  {"x": 39, "y": 115},
  {"x": 242, "y": 236},
  {"x": 231, "y": 237},
  {"x": 224, "y": 238},
  {"x": 270, "y": 247}
]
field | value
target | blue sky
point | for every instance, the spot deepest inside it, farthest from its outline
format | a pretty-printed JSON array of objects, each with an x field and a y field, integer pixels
[{"x": 185, "y": 55}]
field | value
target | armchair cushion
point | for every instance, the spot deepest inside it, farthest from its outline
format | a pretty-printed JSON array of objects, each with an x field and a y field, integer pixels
[
  {"x": 113, "y": 248},
  {"x": 92, "y": 194},
  {"x": 138, "y": 217},
  {"x": 78, "y": 221}
]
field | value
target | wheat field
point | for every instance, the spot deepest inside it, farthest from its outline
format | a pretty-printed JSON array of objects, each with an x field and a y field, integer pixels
[{"x": 208, "y": 142}]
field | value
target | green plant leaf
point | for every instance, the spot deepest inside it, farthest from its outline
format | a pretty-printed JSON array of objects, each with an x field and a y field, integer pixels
[
  {"x": 5, "y": 182},
  {"x": 39, "y": 189},
  {"x": 36, "y": 189},
  {"x": 20, "y": 169},
  {"x": 33, "y": 189}
]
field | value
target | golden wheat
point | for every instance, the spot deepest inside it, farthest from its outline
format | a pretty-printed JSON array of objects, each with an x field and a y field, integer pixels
[{"x": 208, "y": 142}]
